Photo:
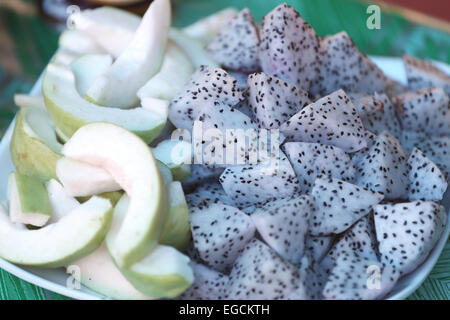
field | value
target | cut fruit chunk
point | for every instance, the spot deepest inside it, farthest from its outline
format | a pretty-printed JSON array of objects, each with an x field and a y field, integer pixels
[
  {"x": 164, "y": 272},
  {"x": 81, "y": 179},
  {"x": 140, "y": 61},
  {"x": 87, "y": 68},
  {"x": 56, "y": 245},
  {"x": 78, "y": 42},
  {"x": 69, "y": 111},
  {"x": 176, "y": 155},
  {"x": 60, "y": 202},
  {"x": 34, "y": 147},
  {"x": 99, "y": 273},
  {"x": 338, "y": 205},
  {"x": 176, "y": 69},
  {"x": 28, "y": 200},
  {"x": 112, "y": 28},
  {"x": 406, "y": 232},
  {"x": 131, "y": 164}
]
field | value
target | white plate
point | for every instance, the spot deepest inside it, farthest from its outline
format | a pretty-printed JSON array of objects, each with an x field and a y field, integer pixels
[{"x": 56, "y": 279}]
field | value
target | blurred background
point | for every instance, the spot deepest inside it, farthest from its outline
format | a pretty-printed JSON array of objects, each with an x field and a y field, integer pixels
[{"x": 29, "y": 32}]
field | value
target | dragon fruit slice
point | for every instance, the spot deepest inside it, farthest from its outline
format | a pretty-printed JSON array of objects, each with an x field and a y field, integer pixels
[
  {"x": 220, "y": 233},
  {"x": 356, "y": 278},
  {"x": 360, "y": 239},
  {"x": 208, "y": 284},
  {"x": 283, "y": 224},
  {"x": 206, "y": 87},
  {"x": 378, "y": 114},
  {"x": 201, "y": 174},
  {"x": 223, "y": 127},
  {"x": 206, "y": 194},
  {"x": 423, "y": 74},
  {"x": 426, "y": 180},
  {"x": 235, "y": 46},
  {"x": 330, "y": 120},
  {"x": 273, "y": 101},
  {"x": 339, "y": 204},
  {"x": 359, "y": 155},
  {"x": 406, "y": 232},
  {"x": 318, "y": 246},
  {"x": 426, "y": 110},
  {"x": 437, "y": 149},
  {"x": 313, "y": 160},
  {"x": 257, "y": 184},
  {"x": 259, "y": 273},
  {"x": 289, "y": 47},
  {"x": 384, "y": 168},
  {"x": 345, "y": 67}
]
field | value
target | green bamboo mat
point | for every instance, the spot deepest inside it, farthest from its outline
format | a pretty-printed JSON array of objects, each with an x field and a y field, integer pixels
[{"x": 32, "y": 43}]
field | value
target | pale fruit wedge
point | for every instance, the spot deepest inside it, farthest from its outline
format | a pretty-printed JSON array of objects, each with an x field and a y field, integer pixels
[
  {"x": 60, "y": 202},
  {"x": 176, "y": 69},
  {"x": 193, "y": 48},
  {"x": 132, "y": 165},
  {"x": 156, "y": 106},
  {"x": 78, "y": 42},
  {"x": 99, "y": 273},
  {"x": 28, "y": 200},
  {"x": 34, "y": 147},
  {"x": 69, "y": 111},
  {"x": 165, "y": 272},
  {"x": 87, "y": 68},
  {"x": 205, "y": 29},
  {"x": 166, "y": 175},
  {"x": 25, "y": 100},
  {"x": 176, "y": 155},
  {"x": 64, "y": 57},
  {"x": 77, "y": 234},
  {"x": 112, "y": 28},
  {"x": 176, "y": 232},
  {"x": 140, "y": 61},
  {"x": 81, "y": 179}
]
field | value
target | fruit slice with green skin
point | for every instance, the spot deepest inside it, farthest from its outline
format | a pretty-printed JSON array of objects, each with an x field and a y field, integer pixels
[
  {"x": 176, "y": 70},
  {"x": 206, "y": 28},
  {"x": 60, "y": 202},
  {"x": 165, "y": 272},
  {"x": 132, "y": 165},
  {"x": 77, "y": 234},
  {"x": 78, "y": 42},
  {"x": 176, "y": 155},
  {"x": 140, "y": 61},
  {"x": 99, "y": 273},
  {"x": 112, "y": 28},
  {"x": 69, "y": 111},
  {"x": 176, "y": 232},
  {"x": 34, "y": 147},
  {"x": 81, "y": 179},
  {"x": 193, "y": 48},
  {"x": 87, "y": 68},
  {"x": 28, "y": 200}
]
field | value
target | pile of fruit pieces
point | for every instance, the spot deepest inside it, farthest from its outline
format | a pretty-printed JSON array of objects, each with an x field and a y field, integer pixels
[{"x": 352, "y": 205}]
